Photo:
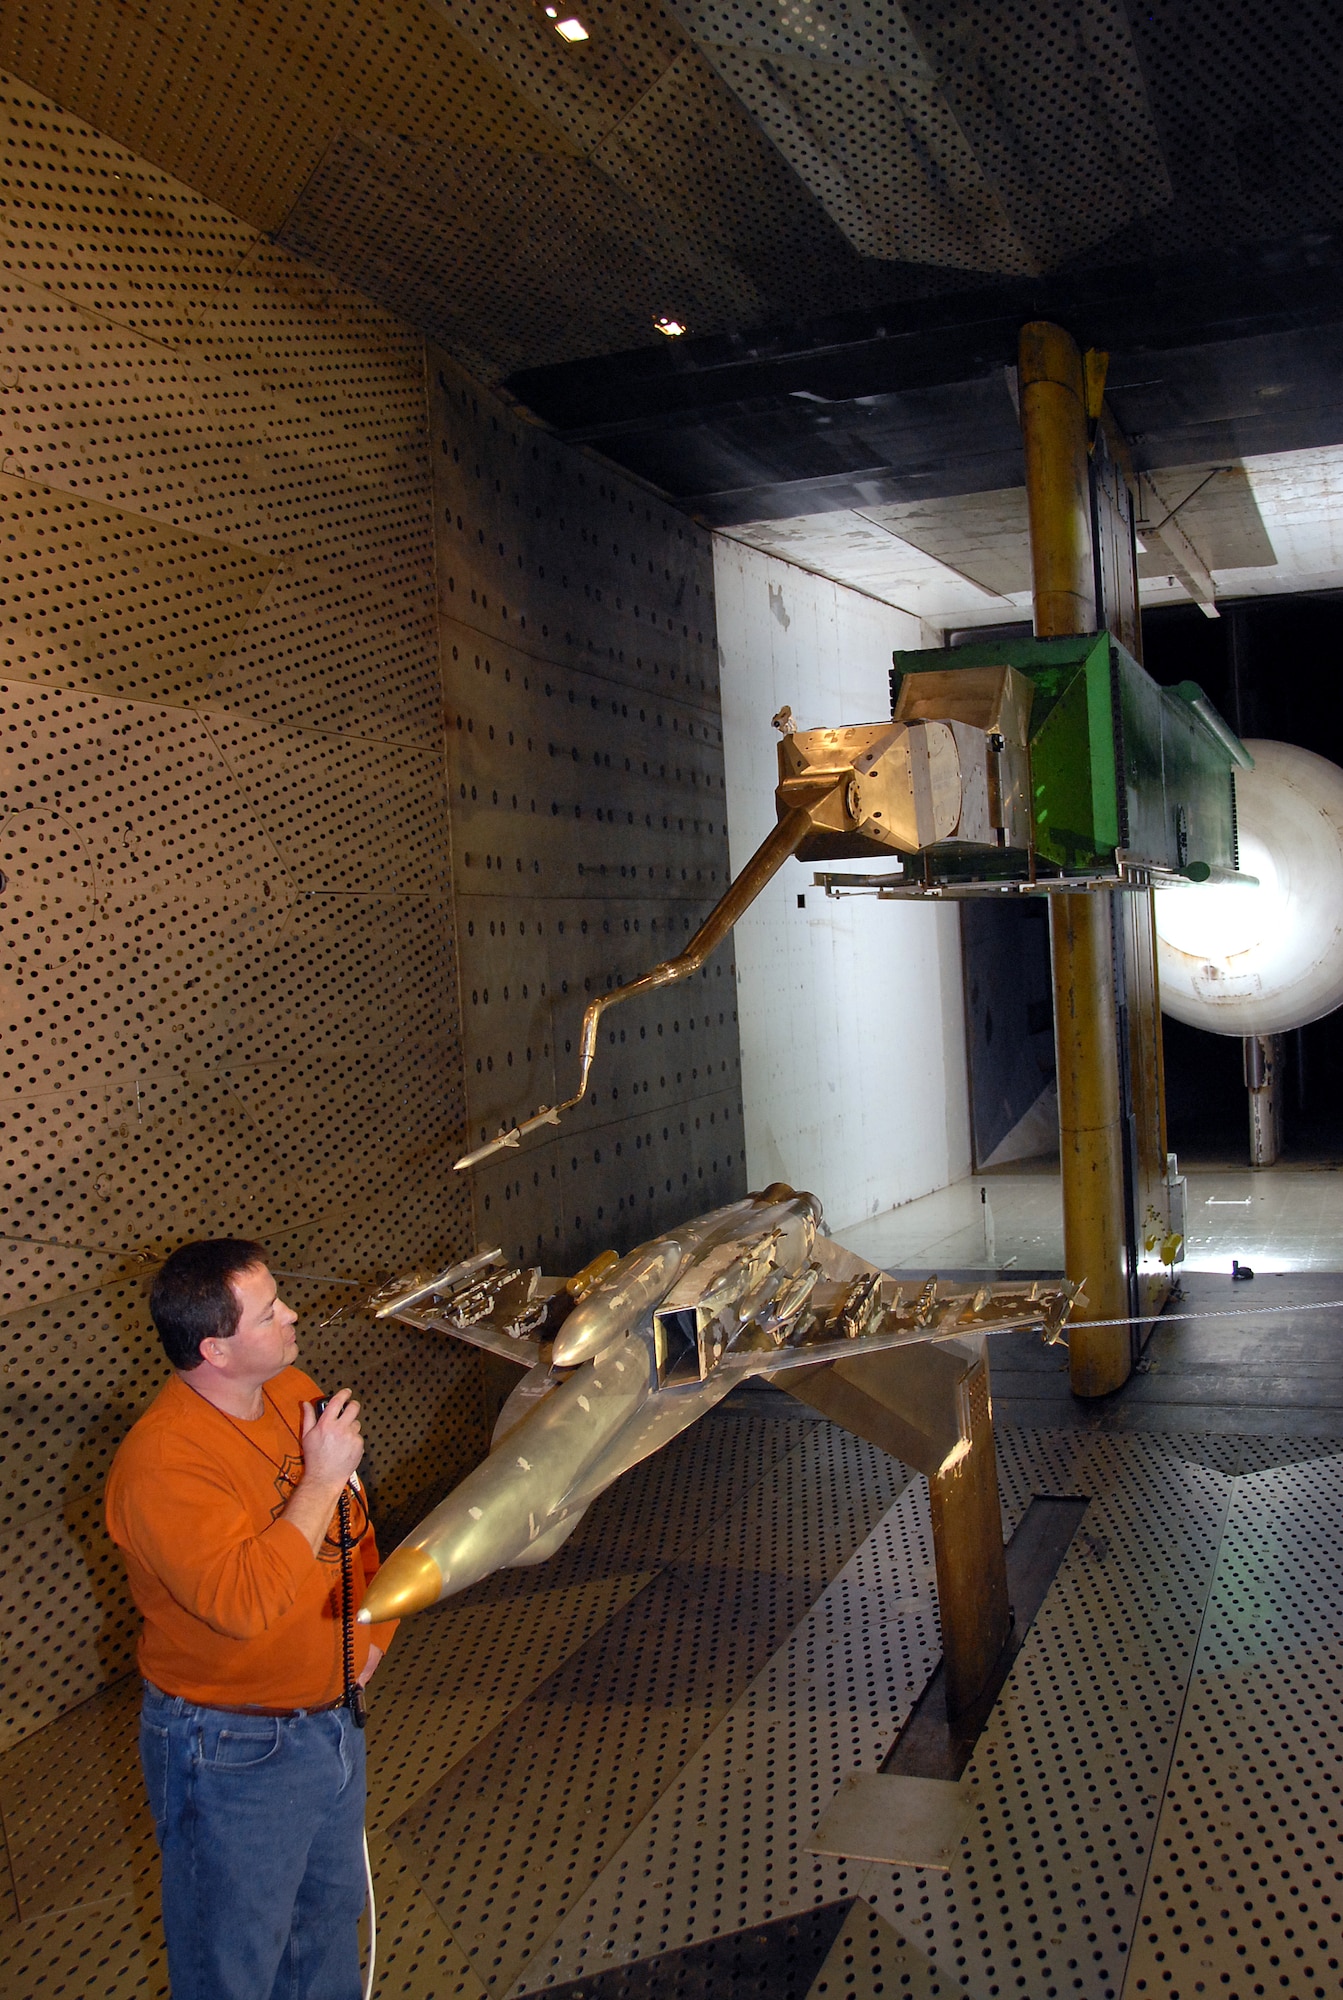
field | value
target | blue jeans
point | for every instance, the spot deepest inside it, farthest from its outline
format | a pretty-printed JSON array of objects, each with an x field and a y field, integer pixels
[{"x": 259, "y": 1821}]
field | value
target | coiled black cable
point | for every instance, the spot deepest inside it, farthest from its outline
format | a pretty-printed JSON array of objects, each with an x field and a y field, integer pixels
[{"x": 353, "y": 1695}]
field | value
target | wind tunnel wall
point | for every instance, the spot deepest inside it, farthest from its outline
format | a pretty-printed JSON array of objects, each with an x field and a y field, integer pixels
[
  {"x": 230, "y": 1003},
  {"x": 307, "y": 639},
  {"x": 852, "y": 1020},
  {"x": 585, "y": 766}
]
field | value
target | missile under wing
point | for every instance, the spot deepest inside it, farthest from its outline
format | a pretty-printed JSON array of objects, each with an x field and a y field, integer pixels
[{"x": 623, "y": 1358}]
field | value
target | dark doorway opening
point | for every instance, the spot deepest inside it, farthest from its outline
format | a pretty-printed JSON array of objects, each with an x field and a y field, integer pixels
[{"x": 1009, "y": 1022}]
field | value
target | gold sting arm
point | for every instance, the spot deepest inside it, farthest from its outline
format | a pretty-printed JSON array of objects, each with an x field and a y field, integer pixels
[
  {"x": 803, "y": 796},
  {"x": 858, "y": 789}
]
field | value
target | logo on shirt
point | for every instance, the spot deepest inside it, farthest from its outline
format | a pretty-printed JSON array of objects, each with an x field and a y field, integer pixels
[{"x": 287, "y": 1477}]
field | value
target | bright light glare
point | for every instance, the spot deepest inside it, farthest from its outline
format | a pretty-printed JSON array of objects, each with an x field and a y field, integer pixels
[
  {"x": 1263, "y": 1260},
  {"x": 1258, "y": 961},
  {"x": 1217, "y": 921},
  {"x": 671, "y": 327},
  {"x": 571, "y": 29}
]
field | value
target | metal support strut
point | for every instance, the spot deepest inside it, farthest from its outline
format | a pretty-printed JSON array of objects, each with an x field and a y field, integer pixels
[
  {"x": 782, "y": 843},
  {"x": 1054, "y": 428}
]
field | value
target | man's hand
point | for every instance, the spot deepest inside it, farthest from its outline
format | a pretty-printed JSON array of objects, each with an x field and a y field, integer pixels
[
  {"x": 332, "y": 1444},
  {"x": 332, "y": 1448}
]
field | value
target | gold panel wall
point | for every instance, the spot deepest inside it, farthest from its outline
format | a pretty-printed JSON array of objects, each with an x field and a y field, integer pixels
[{"x": 229, "y": 992}]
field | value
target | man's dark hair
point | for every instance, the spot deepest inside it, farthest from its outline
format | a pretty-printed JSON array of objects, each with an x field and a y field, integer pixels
[{"x": 192, "y": 1298}]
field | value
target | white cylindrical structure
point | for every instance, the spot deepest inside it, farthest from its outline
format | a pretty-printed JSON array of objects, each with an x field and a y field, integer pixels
[{"x": 1260, "y": 961}]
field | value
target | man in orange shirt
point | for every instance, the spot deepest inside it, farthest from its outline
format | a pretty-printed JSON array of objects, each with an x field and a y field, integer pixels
[{"x": 249, "y": 1548}]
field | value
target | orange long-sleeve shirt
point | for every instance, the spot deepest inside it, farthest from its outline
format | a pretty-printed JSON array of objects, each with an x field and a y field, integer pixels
[{"x": 237, "y": 1609}]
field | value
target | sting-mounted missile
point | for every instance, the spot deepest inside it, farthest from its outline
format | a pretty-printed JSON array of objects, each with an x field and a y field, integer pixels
[
  {"x": 1028, "y": 766},
  {"x": 873, "y": 789}
]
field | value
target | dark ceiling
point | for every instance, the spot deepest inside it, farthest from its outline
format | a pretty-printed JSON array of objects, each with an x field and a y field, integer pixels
[
  {"x": 851, "y": 204},
  {"x": 1218, "y": 357},
  {"x": 1221, "y": 304}
]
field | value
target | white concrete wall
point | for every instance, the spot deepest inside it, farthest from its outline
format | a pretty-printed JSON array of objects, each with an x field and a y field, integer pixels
[{"x": 852, "y": 1037}]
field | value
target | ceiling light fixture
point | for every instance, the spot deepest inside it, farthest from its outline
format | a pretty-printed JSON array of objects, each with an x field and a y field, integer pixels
[
  {"x": 671, "y": 327},
  {"x": 570, "y": 29}
]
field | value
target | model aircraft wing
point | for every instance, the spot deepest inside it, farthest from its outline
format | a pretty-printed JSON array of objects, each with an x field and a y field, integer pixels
[
  {"x": 483, "y": 1300},
  {"x": 520, "y": 1347},
  {"x": 872, "y": 1313}
]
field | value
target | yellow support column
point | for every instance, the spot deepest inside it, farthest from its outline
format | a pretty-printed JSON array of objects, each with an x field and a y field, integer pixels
[
  {"x": 1091, "y": 1134},
  {"x": 1052, "y": 388}
]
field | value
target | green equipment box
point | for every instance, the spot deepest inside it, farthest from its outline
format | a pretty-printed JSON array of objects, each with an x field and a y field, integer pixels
[{"x": 1127, "y": 778}]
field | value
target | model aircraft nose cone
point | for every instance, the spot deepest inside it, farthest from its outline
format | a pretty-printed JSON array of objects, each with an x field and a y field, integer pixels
[{"x": 409, "y": 1580}]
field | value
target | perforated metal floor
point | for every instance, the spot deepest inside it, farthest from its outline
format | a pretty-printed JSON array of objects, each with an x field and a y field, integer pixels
[{"x": 619, "y": 1756}]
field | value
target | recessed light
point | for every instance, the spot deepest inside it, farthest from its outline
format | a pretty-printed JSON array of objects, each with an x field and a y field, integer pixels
[
  {"x": 671, "y": 327},
  {"x": 552, "y": 13},
  {"x": 570, "y": 29}
]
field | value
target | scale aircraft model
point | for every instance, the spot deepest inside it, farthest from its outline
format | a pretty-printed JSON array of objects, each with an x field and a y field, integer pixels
[{"x": 622, "y": 1358}]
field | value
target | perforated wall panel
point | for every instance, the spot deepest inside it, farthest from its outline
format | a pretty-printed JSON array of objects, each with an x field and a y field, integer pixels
[
  {"x": 585, "y": 765},
  {"x": 741, "y": 166},
  {"x": 519, "y": 200},
  {"x": 229, "y": 1001},
  {"x": 1000, "y": 162}
]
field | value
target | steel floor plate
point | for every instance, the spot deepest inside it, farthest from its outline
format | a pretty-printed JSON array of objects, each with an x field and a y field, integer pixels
[{"x": 616, "y": 1760}]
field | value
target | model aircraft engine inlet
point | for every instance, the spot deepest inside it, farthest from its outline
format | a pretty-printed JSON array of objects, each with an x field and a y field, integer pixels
[{"x": 627, "y": 1355}]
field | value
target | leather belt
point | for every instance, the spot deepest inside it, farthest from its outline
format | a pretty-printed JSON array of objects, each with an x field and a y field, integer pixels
[
  {"x": 279, "y": 1714},
  {"x": 228, "y": 1708}
]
